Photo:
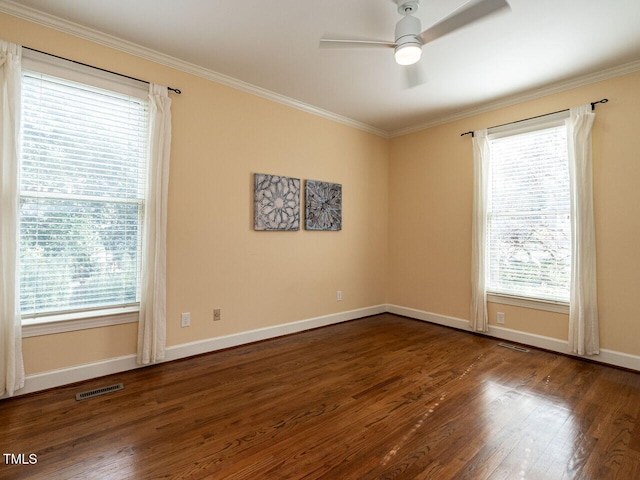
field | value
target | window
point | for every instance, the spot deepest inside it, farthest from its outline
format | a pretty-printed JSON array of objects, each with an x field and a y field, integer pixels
[
  {"x": 82, "y": 190},
  {"x": 528, "y": 211}
]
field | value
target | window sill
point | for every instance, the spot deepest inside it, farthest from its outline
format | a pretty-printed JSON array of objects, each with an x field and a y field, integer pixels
[
  {"x": 35, "y": 327},
  {"x": 547, "y": 305}
]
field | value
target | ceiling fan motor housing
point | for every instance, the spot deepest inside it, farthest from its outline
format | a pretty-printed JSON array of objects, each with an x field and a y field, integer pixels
[
  {"x": 408, "y": 46},
  {"x": 407, "y": 30},
  {"x": 409, "y": 27}
]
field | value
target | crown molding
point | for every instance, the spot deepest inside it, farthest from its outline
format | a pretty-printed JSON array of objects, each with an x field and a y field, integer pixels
[
  {"x": 104, "y": 39},
  {"x": 554, "y": 88}
]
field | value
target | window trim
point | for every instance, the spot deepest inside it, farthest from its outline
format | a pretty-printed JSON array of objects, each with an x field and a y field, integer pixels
[
  {"x": 538, "y": 123},
  {"x": 518, "y": 128},
  {"x": 41, "y": 63},
  {"x": 81, "y": 320},
  {"x": 52, "y": 323},
  {"x": 529, "y": 302}
]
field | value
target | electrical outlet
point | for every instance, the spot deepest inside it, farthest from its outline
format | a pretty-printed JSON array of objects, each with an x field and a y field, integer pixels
[
  {"x": 500, "y": 318},
  {"x": 185, "y": 320},
  {"x": 217, "y": 316},
  {"x": 339, "y": 295}
]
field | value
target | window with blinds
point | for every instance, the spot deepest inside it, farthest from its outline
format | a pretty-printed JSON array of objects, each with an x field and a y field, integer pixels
[
  {"x": 529, "y": 231},
  {"x": 82, "y": 189}
]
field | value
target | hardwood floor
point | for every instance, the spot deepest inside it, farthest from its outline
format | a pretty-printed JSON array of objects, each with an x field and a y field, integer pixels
[{"x": 383, "y": 397}]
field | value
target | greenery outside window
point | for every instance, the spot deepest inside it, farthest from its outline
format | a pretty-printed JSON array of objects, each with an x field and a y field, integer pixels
[
  {"x": 82, "y": 191},
  {"x": 528, "y": 214}
]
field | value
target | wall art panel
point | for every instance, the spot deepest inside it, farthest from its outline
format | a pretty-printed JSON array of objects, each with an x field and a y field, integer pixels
[
  {"x": 276, "y": 202},
  {"x": 323, "y": 205}
]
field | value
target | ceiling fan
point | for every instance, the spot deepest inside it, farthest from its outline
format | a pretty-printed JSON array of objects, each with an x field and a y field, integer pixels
[{"x": 409, "y": 39}]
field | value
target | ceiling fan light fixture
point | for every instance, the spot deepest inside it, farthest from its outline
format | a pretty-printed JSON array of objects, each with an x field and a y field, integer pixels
[
  {"x": 408, "y": 54},
  {"x": 408, "y": 47}
]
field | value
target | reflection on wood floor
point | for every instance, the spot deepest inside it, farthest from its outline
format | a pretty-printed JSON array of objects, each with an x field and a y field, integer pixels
[{"x": 383, "y": 397}]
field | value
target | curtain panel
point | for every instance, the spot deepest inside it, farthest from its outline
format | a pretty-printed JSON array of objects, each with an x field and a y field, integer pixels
[
  {"x": 11, "y": 362},
  {"x": 583, "y": 310},
  {"x": 479, "y": 318},
  {"x": 152, "y": 322}
]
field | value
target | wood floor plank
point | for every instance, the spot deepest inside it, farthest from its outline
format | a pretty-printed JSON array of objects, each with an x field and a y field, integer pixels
[{"x": 383, "y": 397}]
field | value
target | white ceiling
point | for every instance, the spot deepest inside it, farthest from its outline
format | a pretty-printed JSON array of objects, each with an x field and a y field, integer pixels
[{"x": 274, "y": 45}]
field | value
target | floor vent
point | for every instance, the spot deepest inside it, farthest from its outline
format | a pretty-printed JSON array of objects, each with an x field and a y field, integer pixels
[
  {"x": 513, "y": 347},
  {"x": 99, "y": 391}
]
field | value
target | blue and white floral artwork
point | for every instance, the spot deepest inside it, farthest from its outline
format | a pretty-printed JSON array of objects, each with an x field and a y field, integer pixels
[
  {"x": 276, "y": 202},
  {"x": 323, "y": 205}
]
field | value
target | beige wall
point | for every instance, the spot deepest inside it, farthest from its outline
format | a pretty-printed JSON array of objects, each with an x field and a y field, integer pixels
[
  {"x": 406, "y": 215},
  {"x": 430, "y": 200},
  {"x": 221, "y": 136}
]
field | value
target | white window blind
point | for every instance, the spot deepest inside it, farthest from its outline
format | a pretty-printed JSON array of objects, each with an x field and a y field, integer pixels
[
  {"x": 84, "y": 155},
  {"x": 529, "y": 233}
]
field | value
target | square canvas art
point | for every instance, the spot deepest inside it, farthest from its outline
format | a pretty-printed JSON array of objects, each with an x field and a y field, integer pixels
[
  {"x": 276, "y": 202},
  {"x": 323, "y": 205}
]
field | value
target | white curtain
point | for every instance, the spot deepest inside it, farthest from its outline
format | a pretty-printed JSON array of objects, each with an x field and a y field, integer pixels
[
  {"x": 583, "y": 310},
  {"x": 152, "y": 322},
  {"x": 479, "y": 320},
  {"x": 11, "y": 365}
]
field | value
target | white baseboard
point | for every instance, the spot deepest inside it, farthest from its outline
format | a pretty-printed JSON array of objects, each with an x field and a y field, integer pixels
[
  {"x": 65, "y": 376},
  {"x": 218, "y": 343},
  {"x": 609, "y": 357},
  {"x": 79, "y": 373},
  {"x": 429, "y": 317}
]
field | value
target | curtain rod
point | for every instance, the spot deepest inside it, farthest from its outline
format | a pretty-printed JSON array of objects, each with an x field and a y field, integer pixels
[
  {"x": 177, "y": 90},
  {"x": 593, "y": 107}
]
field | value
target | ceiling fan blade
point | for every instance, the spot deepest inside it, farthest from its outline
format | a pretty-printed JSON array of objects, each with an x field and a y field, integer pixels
[
  {"x": 350, "y": 43},
  {"x": 468, "y": 13},
  {"x": 414, "y": 75}
]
